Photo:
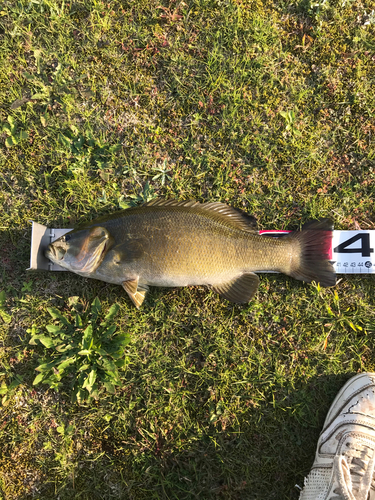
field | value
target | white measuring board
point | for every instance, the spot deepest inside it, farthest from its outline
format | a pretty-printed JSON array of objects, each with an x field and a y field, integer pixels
[{"x": 352, "y": 252}]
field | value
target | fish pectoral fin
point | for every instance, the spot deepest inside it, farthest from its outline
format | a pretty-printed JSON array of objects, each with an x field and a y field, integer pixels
[
  {"x": 136, "y": 291},
  {"x": 239, "y": 290},
  {"x": 131, "y": 250}
]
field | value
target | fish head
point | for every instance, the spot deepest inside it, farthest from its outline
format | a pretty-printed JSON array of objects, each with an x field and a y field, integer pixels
[{"x": 81, "y": 250}]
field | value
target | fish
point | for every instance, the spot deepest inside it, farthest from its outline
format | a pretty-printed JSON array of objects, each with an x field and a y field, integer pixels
[{"x": 169, "y": 243}]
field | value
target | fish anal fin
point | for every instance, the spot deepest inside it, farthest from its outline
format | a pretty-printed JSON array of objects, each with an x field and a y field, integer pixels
[
  {"x": 239, "y": 290},
  {"x": 136, "y": 291}
]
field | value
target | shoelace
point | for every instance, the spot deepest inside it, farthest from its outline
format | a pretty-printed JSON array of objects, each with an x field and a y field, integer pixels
[{"x": 357, "y": 467}]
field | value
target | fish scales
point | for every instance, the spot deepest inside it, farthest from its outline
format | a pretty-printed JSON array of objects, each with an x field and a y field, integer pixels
[
  {"x": 191, "y": 247},
  {"x": 187, "y": 243}
]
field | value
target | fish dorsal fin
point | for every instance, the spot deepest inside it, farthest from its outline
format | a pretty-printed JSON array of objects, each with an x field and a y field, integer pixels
[
  {"x": 239, "y": 290},
  {"x": 236, "y": 218}
]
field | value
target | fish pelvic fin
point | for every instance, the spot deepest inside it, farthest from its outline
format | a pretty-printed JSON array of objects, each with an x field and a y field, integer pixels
[
  {"x": 135, "y": 291},
  {"x": 239, "y": 290},
  {"x": 313, "y": 263}
]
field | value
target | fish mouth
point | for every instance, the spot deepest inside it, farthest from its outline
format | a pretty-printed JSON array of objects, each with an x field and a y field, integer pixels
[{"x": 54, "y": 253}]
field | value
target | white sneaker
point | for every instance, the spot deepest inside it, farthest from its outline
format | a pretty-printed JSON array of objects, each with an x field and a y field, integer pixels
[{"x": 345, "y": 456}]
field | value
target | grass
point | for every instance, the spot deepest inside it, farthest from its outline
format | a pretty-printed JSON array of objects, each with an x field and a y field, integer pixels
[{"x": 268, "y": 106}]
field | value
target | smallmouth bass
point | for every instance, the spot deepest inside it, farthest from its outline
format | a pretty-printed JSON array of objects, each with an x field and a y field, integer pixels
[{"x": 171, "y": 243}]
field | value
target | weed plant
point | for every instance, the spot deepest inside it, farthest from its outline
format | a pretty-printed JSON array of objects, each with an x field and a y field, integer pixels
[{"x": 87, "y": 352}]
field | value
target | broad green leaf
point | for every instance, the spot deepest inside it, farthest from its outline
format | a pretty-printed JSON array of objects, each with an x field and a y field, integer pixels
[
  {"x": 33, "y": 330},
  {"x": 87, "y": 337},
  {"x": 73, "y": 301},
  {"x": 123, "y": 204},
  {"x": 43, "y": 121},
  {"x": 117, "y": 355},
  {"x": 55, "y": 329},
  {"x": 113, "y": 377},
  {"x": 78, "y": 321},
  {"x": 46, "y": 366},
  {"x": 100, "y": 351},
  {"x": 6, "y": 129},
  {"x": 34, "y": 338},
  {"x": 38, "y": 378},
  {"x": 109, "y": 365},
  {"x": 47, "y": 341},
  {"x": 23, "y": 135},
  {"x": 69, "y": 429},
  {"x": 95, "y": 308},
  {"x": 113, "y": 310},
  {"x": 11, "y": 121},
  {"x": 109, "y": 386},
  {"x": 94, "y": 392},
  {"x": 16, "y": 382},
  {"x": 53, "y": 382},
  {"x": 112, "y": 348},
  {"x": 39, "y": 95},
  {"x": 65, "y": 141},
  {"x": 79, "y": 142},
  {"x": 89, "y": 381},
  {"x": 56, "y": 314},
  {"x": 110, "y": 331},
  {"x": 80, "y": 395},
  {"x": 83, "y": 367},
  {"x": 61, "y": 367},
  {"x": 10, "y": 141},
  {"x": 28, "y": 76},
  {"x": 5, "y": 316},
  {"x": 64, "y": 347},
  {"x": 85, "y": 352},
  {"x": 121, "y": 363},
  {"x": 92, "y": 378},
  {"x": 122, "y": 339},
  {"x": 74, "y": 129}
]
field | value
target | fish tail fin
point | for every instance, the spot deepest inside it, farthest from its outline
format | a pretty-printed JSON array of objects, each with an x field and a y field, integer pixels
[{"x": 313, "y": 263}]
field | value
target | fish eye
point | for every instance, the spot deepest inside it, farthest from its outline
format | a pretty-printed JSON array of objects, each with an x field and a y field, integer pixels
[{"x": 66, "y": 238}]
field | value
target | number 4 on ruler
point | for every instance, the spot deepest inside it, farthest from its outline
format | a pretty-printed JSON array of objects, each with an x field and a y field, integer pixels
[{"x": 364, "y": 249}]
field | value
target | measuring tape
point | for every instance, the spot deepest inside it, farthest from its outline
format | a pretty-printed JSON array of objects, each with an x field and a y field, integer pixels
[{"x": 352, "y": 252}]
